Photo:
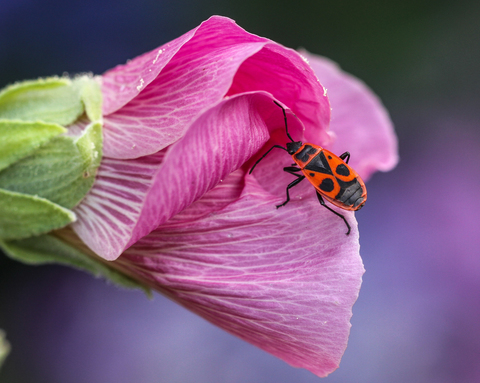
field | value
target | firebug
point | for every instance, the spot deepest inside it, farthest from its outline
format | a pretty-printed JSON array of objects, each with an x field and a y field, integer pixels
[{"x": 332, "y": 177}]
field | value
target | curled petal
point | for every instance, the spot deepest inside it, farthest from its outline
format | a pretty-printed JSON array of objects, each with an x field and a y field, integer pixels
[
  {"x": 160, "y": 94},
  {"x": 133, "y": 197},
  {"x": 123, "y": 83},
  {"x": 360, "y": 122},
  {"x": 109, "y": 212},
  {"x": 287, "y": 76},
  {"x": 197, "y": 76},
  {"x": 284, "y": 280}
]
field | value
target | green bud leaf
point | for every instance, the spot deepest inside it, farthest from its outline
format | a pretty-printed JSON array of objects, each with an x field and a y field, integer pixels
[
  {"x": 4, "y": 347},
  {"x": 20, "y": 139},
  {"x": 47, "y": 248},
  {"x": 90, "y": 145},
  {"x": 91, "y": 96},
  {"x": 62, "y": 171},
  {"x": 22, "y": 215},
  {"x": 54, "y": 100}
]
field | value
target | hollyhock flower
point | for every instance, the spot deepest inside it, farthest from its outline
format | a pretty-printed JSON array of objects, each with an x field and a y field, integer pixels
[{"x": 174, "y": 208}]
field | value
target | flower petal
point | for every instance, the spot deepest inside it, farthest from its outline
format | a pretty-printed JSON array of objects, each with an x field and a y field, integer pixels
[
  {"x": 359, "y": 120},
  {"x": 216, "y": 59},
  {"x": 284, "y": 280},
  {"x": 123, "y": 83},
  {"x": 109, "y": 212},
  {"x": 195, "y": 78},
  {"x": 288, "y": 77},
  {"x": 133, "y": 197}
]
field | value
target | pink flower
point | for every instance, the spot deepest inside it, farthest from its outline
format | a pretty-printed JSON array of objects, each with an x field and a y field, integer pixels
[{"x": 174, "y": 207}]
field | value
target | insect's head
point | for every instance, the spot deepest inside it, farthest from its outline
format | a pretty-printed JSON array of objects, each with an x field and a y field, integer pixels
[{"x": 292, "y": 147}]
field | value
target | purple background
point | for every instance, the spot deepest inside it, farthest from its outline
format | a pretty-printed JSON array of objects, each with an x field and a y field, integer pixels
[{"x": 418, "y": 315}]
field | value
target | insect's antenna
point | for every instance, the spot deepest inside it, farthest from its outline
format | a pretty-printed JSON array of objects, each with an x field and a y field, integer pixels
[
  {"x": 285, "y": 118},
  {"x": 262, "y": 157}
]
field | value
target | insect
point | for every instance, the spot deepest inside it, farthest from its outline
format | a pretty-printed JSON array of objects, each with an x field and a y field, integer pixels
[{"x": 331, "y": 176}]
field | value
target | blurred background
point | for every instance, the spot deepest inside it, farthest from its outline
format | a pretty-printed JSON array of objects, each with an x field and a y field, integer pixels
[{"x": 418, "y": 315}]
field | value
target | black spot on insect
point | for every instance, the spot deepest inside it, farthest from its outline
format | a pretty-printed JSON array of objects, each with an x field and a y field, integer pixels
[
  {"x": 329, "y": 157},
  {"x": 312, "y": 174},
  {"x": 305, "y": 153},
  {"x": 327, "y": 185},
  {"x": 319, "y": 164},
  {"x": 342, "y": 170}
]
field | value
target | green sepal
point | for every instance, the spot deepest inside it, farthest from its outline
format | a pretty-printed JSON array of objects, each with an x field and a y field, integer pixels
[
  {"x": 23, "y": 215},
  {"x": 52, "y": 100},
  {"x": 4, "y": 347},
  {"x": 20, "y": 139},
  {"x": 90, "y": 147},
  {"x": 91, "y": 96},
  {"x": 47, "y": 249},
  {"x": 62, "y": 171}
]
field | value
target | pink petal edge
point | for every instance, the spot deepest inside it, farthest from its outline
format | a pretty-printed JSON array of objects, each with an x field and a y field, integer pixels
[
  {"x": 216, "y": 59},
  {"x": 174, "y": 88}
]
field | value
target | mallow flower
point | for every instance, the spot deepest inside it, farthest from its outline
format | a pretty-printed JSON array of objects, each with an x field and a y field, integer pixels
[{"x": 165, "y": 143}]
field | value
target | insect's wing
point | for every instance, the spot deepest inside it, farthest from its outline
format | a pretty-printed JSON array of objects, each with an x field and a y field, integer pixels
[
  {"x": 326, "y": 184},
  {"x": 339, "y": 168}
]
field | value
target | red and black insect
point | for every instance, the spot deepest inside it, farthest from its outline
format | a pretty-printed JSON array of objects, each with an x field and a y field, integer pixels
[{"x": 331, "y": 176}]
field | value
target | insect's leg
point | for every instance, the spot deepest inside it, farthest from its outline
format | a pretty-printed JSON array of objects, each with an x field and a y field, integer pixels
[
  {"x": 322, "y": 202},
  {"x": 345, "y": 155},
  {"x": 292, "y": 169},
  {"x": 291, "y": 185},
  {"x": 262, "y": 157}
]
